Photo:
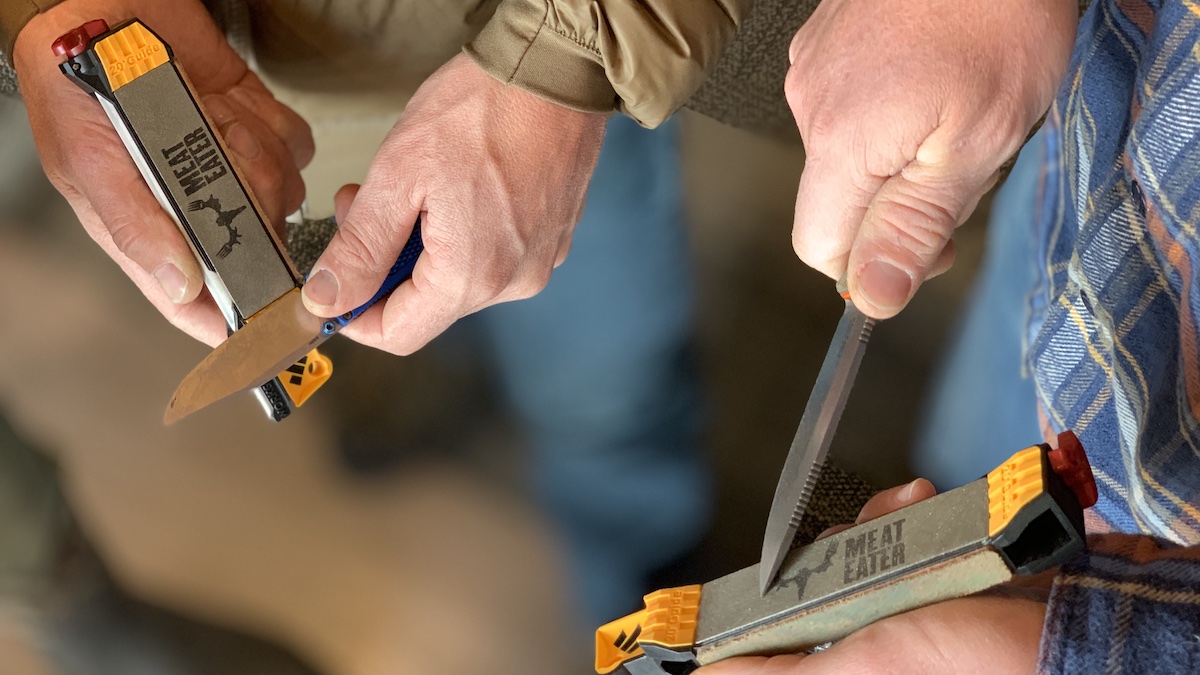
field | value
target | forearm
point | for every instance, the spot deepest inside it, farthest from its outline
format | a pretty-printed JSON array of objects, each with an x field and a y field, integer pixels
[
  {"x": 644, "y": 59},
  {"x": 1130, "y": 604}
]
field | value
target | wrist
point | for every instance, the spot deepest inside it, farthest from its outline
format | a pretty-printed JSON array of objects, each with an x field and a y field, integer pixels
[
  {"x": 33, "y": 42},
  {"x": 184, "y": 24}
]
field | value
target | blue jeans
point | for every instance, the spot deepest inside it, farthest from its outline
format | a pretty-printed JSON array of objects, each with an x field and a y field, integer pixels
[
  {"x": 599, "y": 368},
  {"x": 983, "y": 407}
]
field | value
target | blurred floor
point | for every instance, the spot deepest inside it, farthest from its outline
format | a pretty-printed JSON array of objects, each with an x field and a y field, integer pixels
[{"x": 260, "y": 528}]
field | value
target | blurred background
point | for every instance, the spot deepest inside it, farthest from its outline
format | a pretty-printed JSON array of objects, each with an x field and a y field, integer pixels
[{"x": 228, "y": 544}]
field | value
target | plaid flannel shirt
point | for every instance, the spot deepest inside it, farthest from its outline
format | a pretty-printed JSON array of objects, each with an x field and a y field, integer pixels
[{"x": 1113, "y": 339}]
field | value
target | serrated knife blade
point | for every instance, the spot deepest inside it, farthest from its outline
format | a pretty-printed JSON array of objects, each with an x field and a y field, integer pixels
[{"x": 811, "y": 443}]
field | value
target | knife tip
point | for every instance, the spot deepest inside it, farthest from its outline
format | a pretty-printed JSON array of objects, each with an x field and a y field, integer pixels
[
  {"x": 172, "y": 414},
  {"x": 766, "y": 579}
]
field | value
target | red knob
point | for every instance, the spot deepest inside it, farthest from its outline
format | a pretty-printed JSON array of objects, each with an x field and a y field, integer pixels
[
  {"x": 75, "y": 42},
  {"x": 1070, "y": 462}
]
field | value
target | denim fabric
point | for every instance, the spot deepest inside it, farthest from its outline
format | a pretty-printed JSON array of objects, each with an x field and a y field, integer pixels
[
  {"x": 599, "y": 367},
  {"x": 982, "y": 406}
]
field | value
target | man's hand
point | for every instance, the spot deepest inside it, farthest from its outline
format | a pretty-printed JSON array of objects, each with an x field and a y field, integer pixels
[
  {"x": 498, "y": 177},
  {"x": 907, "y": 108},
  {"x": 85, "y": 160},
  {"x": 995, "y": 632}
]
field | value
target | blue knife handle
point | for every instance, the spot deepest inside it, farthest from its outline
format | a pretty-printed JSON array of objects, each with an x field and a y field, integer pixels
[{"x": 401, "y": 270}]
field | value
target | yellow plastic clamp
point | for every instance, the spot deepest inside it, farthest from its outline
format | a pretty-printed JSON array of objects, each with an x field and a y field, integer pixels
[
  {"x": 669, "y": 620},
  {"x": 303, "y": 378},
  {"x": 130, "y": 53},
  {"x": 1012, "y": 485}
]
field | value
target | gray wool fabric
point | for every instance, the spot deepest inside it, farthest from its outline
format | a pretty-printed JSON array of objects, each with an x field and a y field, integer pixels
[
  {"x": 837, "y": 498},
  {"x": 8, "y": 77},
  {"x": 306, "y": 241},
  {"x": 746, "y": 88}
]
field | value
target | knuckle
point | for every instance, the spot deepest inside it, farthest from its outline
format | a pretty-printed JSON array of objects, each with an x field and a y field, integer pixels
[
  {"x": 292, "y": 131},
  {"x": 533, "y": 283},
  {"x": 357, "y": 251},
  {"x": 919, "y": 225},
  {"x": 395, "y": 342},
  {"x": 795, "y": 92},
  {"x": 793, "y": 87},
  {"x": 795, "y": 46},
  {"x": 503, "y": 273},
  {"x": 294, "y": 193},
  {"x": 127, "y": 234},
  {"x": 301, "y": 144},
  {"x": 267, "y": 179},
  {"x": 818, "y": 252},
  {"x": 823, "y": 123},
  {"x": 999, "y": 133},
  {"x": 491, "y": 283}
]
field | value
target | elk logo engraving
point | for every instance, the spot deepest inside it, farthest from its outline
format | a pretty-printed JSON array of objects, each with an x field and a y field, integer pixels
[{"x": 224, "y": 219}]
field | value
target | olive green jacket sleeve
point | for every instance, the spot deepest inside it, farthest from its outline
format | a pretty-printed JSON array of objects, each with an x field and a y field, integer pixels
[
  {"x": 640, "y": 57},
  {"x": 14, "y": 14}
]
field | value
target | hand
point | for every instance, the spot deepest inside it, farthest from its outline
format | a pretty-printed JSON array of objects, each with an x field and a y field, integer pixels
[
  {"x": 498, "y": 177},
  {"x": 907, "y": 109},
  {"x": 995, "y": 632},
  {"x": 85, "y": 160}
]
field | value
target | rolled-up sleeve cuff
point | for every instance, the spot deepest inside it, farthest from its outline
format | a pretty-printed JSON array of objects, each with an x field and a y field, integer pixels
[
  {"x": 519, "y": 48},
  {"x": 1131, "y": 604}
]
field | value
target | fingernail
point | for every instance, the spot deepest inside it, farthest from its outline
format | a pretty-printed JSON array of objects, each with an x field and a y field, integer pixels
[
  {"x": 172, "y": 281},
  {"x": 321, "y": 288},
  {"x": 218, "y": 109},
  {"x": 906, "y": 492},
  {"x": 242, "y": 141},
  {"x": 885, "y": 285}
]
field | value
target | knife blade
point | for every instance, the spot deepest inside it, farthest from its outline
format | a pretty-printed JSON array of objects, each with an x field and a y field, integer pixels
[
  {"x": 810, "y": 446},
  {"x": 273, "y": 339}
]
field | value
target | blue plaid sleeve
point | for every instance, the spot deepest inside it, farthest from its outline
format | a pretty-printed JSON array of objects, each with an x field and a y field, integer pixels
[{"x": 1131, "y": 604}]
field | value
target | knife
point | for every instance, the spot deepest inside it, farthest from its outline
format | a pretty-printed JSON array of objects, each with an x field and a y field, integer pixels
[
  {"x": 811, "y": 443},
  {"x": 273, "y": 339}
]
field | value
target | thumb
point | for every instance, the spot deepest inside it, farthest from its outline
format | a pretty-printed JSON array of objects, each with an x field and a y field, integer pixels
[
  {"x": 369, "y": 238},
  {"x": 138, "y": 227},
  {"x": 904, "y": 239}
]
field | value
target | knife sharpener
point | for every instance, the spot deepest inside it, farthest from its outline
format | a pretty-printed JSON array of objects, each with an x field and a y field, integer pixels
[
  {"x": 132, "y": 73},
  {"x": 1023, "y": 518}
]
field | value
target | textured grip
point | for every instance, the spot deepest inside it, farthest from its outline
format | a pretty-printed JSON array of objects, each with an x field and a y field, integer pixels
[{"x": 402, "y": 269}]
